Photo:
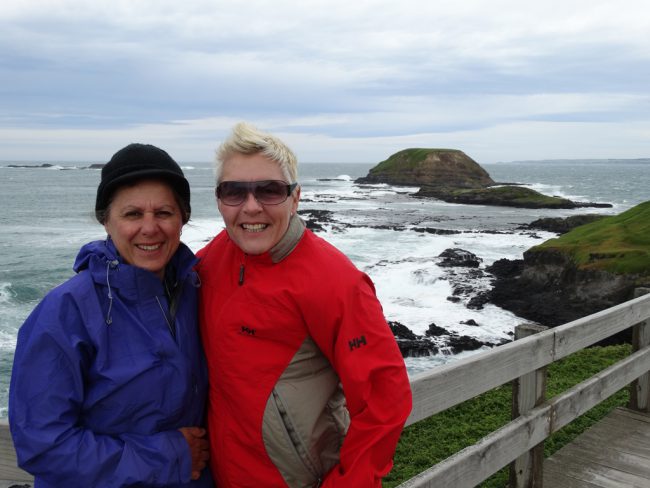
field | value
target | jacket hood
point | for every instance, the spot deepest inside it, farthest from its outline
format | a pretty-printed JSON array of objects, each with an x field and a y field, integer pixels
[{"x": 107, "y": 267}]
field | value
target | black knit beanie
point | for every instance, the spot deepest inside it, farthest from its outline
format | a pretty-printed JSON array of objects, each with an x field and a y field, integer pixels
[{"x": 136, "y": 162}]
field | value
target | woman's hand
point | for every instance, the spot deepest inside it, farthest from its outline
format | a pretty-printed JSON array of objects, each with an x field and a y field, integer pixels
[{"x": 195, "y": 437}]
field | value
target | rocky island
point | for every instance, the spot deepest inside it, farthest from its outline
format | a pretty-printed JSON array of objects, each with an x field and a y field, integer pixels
[{"x": 452, "y": 176}]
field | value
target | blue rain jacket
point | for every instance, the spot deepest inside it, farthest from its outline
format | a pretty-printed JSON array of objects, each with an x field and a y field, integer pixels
[{"x": 100, "y": 385}]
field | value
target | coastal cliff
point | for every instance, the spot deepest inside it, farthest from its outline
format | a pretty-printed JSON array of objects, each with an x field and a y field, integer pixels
[
  {"x": 590, "y": 268},
  {"x": 452, "y": 176}
]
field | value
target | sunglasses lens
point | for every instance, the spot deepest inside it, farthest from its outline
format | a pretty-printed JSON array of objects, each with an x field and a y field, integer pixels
[
  {"x": 270, "y": 192},
  {"x": 232, "y": 192}
]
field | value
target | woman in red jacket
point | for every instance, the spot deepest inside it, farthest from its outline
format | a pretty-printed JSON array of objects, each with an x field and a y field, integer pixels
[{"x": 307, "y": 385}]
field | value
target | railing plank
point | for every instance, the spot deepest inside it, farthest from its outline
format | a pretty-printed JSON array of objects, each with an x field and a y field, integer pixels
[
  {"x": 586, "y": 331},
  {"x": 456, "y": 382},
  {"x": 8, "y": 467},
  {"x": 528, "y": 392},
  {"x": 469, "y": 467}
]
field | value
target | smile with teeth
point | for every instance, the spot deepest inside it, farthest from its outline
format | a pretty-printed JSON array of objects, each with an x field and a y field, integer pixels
[
  {"x": 254, "y": 227},
  {"x": 149, "y": 247}
]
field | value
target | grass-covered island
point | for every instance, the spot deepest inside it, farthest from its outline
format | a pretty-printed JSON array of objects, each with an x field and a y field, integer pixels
[{"x": 452, "y": 176}]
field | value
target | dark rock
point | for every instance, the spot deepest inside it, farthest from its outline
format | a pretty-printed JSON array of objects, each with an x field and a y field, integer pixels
[
  {"x": 503, "y": 268},
  {"x": 549, "y": 289},
  {"x": 416, "y": 348},
  {"x": 400, "y": 331},
  {"x": 478, "y": 301},
  {"x": 314, "y": 226},
  {"x": 431, "y": 230},
  {"x": 471, "y": 322},
  {"x": 459, "y": 258},
  {"x": 563, "y": 225},
  {"x": 314, "y": 218},
  {"x": 464, "y": 343},
  {"x": 435, "y": 331},
  {"x": 410, "y": 344},
  {"x": 44, "y": 165}
]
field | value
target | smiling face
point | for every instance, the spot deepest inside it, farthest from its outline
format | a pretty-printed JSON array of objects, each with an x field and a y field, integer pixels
[
  {"x": 145, "y": 222},
  {"x": 254, "y": 227}
]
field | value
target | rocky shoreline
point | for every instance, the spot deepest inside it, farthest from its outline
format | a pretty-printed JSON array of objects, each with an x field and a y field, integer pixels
[{"x": 543, "y": 288}]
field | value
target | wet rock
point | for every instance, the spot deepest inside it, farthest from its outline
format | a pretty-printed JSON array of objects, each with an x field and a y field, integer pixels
[
  {"x": 471, "y": 322},
  {"x": 561, "y": 225},
  {"x": 455, "y": 257},
  {"x": 435, "y": 331},
  {"x": 433, "y": 230},
  {"x": 464, "y": 343},
  {"x": 400, "y": 331}
]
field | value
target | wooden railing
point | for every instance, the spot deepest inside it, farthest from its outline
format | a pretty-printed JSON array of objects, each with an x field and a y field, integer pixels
[{"x": 523, "y": 361}]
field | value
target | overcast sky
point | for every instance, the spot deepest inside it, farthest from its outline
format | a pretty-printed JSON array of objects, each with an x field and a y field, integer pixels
[{"x": 339, "y": 80}]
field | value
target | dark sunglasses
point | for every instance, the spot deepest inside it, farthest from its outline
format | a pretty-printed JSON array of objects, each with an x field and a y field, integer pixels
[{"x": 266, "y": 192}]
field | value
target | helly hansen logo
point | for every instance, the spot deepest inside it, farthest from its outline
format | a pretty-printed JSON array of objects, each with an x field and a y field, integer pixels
[
  {"x": 357, "y": 342},
  {"x": 247, "y": 330}
]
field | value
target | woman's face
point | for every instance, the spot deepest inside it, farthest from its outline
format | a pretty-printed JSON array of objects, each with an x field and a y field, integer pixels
[
  {"x": 145, "y": 222},
  {"x": 255, "y": 227}
]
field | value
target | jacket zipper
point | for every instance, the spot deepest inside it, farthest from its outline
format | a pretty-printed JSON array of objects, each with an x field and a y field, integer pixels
[{"x": 242, "y": 270}]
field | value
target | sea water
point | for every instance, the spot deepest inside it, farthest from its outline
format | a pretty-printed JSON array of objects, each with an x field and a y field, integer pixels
[{"x": 47, "y": 215}]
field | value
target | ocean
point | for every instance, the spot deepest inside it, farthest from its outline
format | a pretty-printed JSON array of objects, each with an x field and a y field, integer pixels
[{"x": 47, "y": 214}]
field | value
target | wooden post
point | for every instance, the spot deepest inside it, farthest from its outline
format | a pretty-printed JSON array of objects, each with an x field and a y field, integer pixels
[
  {"x": 640, "y": 388},
  {"x": 528, "y": 391}
]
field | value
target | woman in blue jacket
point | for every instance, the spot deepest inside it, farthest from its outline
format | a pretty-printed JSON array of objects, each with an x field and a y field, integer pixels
[{"x": 109, "y": 384}]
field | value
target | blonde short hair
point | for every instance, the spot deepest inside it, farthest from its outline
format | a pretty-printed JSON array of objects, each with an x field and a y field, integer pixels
[{"x": 247, "y": 139}]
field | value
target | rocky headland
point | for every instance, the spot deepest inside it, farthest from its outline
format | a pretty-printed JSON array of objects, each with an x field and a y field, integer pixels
[
  {"x": 587, "y": 269},
  {"x": 452, "y": 176}
]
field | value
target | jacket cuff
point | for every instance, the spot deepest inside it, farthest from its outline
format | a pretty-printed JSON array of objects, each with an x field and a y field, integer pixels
[{"x": 183, "y": 454}]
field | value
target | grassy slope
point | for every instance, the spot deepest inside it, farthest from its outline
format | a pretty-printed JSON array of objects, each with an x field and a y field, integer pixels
[
  {"x": 430, "y": 441},
  {"x": 618, "y": 244},
  {"x": 406, "y": 159},
  {"x": 516, "y": 195}
]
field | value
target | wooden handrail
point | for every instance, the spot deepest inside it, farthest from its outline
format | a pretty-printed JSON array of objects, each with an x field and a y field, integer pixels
[{"x": 456, "y": 382}]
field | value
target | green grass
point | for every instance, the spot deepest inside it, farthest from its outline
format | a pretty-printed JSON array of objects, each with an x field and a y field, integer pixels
[
  {"x": 406, "y": 159},
  {"x": 516, "y": 195},
  {"x": 431, "y": 440},
  {"x": 618, "y": 244}
]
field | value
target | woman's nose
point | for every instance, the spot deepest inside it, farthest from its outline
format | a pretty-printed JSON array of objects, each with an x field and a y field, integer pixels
[
  {"x": 149, "y": 224},
  {"x": 251, "y": 204}
]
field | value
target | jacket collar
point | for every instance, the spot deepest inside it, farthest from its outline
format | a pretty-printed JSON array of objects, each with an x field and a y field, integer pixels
[
  {"x": 107, "y": 267},
  {"x": 289, "y": 240}
]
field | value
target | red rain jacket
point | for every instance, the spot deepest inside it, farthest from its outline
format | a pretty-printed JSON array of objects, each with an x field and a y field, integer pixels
[{"x": 256, "y": 313}]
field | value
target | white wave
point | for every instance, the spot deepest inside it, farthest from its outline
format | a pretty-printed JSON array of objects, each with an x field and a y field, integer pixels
[
  {"x": 6, "y": 293},
  {"x": 344, "y": 178},
  {"x": 184, "y": 168}
]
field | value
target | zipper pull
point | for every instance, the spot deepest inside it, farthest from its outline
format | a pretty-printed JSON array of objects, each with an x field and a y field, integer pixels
[{"x": 241, "y": 275}]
